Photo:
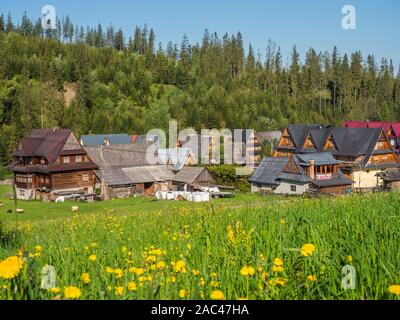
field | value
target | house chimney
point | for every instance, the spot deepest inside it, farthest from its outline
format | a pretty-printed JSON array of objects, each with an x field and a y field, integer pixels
[{"x": 312, "y": 174}]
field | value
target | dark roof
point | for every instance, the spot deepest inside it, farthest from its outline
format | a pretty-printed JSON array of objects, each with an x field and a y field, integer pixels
[
  {"x": 390, "y": 175},
  {"x": 320, "y": 158},
  {"x": 268, "y": 171},
  {"x": 126, "y": 155},
  {"x": 98, "y": 139},
  {"x": 302, "y": 178},
  {"x": 335, "y": 181},
  {"x": 46, "y": 143}
]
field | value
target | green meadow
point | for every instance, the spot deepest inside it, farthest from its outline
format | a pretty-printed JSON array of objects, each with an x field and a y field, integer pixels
[{"x": 249, "y": 247}]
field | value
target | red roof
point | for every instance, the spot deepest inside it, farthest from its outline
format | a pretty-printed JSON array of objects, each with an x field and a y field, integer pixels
[{"x": 375, "y": 124}]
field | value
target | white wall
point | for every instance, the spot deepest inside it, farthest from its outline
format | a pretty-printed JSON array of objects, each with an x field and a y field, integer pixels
[
  {"x": 364, "y": 179},
  {"x": 285, "y": 188},
  {"x": 24, "y": 194}
]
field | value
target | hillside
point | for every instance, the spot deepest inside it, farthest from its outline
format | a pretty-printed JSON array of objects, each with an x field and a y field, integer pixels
[{"x": 123, "y": 85}]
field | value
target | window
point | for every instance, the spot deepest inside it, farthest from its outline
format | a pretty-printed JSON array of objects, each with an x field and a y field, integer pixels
[
  {"x": 65, "y": 159},
  {"x": 85, "y": 177},
  {"x": 293, "y": 188},
  {"x": 22, "y": 193},
  {"x": 41, "y": 179},
  {"x": 29, "y": 179},
  {"x": 78, "y": 159},
  {"x": 42, "y": 161},
  {"x": 384, "y": 158},
  {"x": 47, "y": 179}
]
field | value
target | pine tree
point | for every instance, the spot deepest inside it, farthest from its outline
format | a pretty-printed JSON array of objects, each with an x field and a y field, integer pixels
[{"x": 9, "y": 25}]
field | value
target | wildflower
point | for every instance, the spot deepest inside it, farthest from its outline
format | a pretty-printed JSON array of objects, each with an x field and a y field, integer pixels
[
  {"x": 217, "y": 295},
  {"x": 85, "y": 278},
  {"x": 109, "y": 270},
  {"x": 231, "y": 235},
  {"x": 132, "y": 286},
  {"x": 11, "y": 267},
  {"x": 312, "y": 278},
  {"x": 350, "y": 259},
  {"x": 264, "y": 276},
  {"x": 182, "y": 293},
  {"x": 151, "y": 258},
  {"x": 118, "y": 273},
  {"x": 38, "y": 248},
  {"x": 195, "y": 272},
  {"x": 137, "y": 271},
  {"x": 282, "y": 222},
  {"x": 214, "y": 275},
  {"x": 395, "y": 289},
  {"x": 189, "y": 246},
  {"x": 119, "y": 291},
  {"x": 180, "y": 266},
  {"x": 278, "y": 282},
  {"x": 160, "y": 265},
  {"x": 72, "y": 293},
  {"x": 156, "y": 252},
  {"x": 278, "y": 262},
  {"x": 93, "y": 257},
  {"x": 202, "y": 282},
  {"x": 55, "y": 290},
  {"x": 247, "y": 271},
  {"x": 307, "y": 250},
  {"x": 214, "y": 284}
]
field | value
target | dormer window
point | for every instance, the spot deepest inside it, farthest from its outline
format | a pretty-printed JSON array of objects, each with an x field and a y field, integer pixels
[
  {"x": 78, "y": 159},
  {"x": 65, "y": 159},
  {"x": 42, "y": 161}
]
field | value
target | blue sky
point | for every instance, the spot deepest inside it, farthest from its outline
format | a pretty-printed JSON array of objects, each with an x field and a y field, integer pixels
[{"x": 307, "y": 23}]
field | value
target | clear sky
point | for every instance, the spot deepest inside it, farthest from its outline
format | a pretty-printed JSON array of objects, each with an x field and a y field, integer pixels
[{"x": 306, "y": 23}]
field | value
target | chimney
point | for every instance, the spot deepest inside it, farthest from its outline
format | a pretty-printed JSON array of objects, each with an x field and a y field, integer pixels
[{"x": 312, "y": 166}]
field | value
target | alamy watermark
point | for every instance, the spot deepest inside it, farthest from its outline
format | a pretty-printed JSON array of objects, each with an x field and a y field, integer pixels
[
  {"x": 349, "y": 20},
  {"x": 49, "y": 17}
]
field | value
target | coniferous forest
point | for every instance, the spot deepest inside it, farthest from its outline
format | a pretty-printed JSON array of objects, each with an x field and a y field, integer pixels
[{"x": 131, "y": 83}]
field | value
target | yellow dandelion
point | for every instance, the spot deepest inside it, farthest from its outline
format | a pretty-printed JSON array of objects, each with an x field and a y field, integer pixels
[
  {"x": 247, "y": 271},
  {"x": 55, "y": 290},
  {"x": 93, "y": 257},
  {"x": 72, "y": 293},
  {"x": 38, "y": 248},
  {"x": 217, "y": 295},
  {"x": 118, "y": 273},
  {"x": 180, "y": 266},
  {"x": 109, "y": 270},
  {"x": 278, "y": 262},
  {"x": 307, "y": 250},
  {"x": 195, "y": 272},
  {"x": 11, "y": 267},
  {"x": 182, "y": 293},
  {"x": 395, "y": 289},
  {"x": 160, "y": 265},
  {"x": 202, "y": 282},
  {"x": 119, "y": 291},
  {"x": 312, "y": 278},
  {"x": 349, "y": 258},
  {"x": 137, "y": 271},
  {"x": 85, "y": 278},
  {"x": 132, "y": 286}
]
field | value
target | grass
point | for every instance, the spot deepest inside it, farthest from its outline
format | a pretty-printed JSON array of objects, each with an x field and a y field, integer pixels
[{"x": 179, "y": 250}]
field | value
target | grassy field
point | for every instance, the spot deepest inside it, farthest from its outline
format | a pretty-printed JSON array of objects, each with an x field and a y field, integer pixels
[{"x": 249, "y": 247}]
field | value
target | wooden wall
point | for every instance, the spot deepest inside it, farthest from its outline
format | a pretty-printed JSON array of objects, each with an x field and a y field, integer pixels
[{"x": 68, "y": 180}]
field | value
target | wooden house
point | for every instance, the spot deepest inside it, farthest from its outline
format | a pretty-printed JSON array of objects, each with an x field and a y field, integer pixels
[
  {"x": 364, "y": 151},
  {"x": 301, "y": 173},
  {"x": 51, "y": 162}
]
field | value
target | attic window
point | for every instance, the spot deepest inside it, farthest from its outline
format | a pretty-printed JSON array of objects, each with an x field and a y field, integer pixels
[
  {"x": 42, "y": 161},
  {"x": 65, "y": 159}
]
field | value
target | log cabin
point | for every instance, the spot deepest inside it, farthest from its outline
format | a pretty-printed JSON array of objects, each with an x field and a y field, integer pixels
[
  {"x": 49, "y": 163},
  {"x": 365, "y": 152}
]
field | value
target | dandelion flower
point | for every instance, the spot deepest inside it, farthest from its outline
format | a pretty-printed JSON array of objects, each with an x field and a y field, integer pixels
[
  {"x": 93, "y": 257},
  {"x": 182, "y": 293},
  {"x": 132, "y": 286},
  {"x": 217, "y": 295},
  {"x": 312, "y": 278},
  {"x": 395, "y": 289},
  {"x": 38, "y": 248},
  {"x": 118, "y": 273},
  {"x": 307, "y": 250},
  {"x": 247, "y": 271},
  {"x": 55, "y": 290},
  {"x": 180, "y": 266},
  {"x": 85, "y": 278},
  {"x": 72, "y": 293},
  {"x": 278, "y": 262},
  {"x": 119, "y": 291},
  {"x": 11, "y": 267}
]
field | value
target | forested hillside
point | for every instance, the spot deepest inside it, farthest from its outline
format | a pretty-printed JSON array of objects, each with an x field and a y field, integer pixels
[{"x": 131, "y": 83}]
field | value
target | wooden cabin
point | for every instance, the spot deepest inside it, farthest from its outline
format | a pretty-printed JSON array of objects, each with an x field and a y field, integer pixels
[
  {"x": 364, "y": 151},
  {"x": 51, "y": 162}
]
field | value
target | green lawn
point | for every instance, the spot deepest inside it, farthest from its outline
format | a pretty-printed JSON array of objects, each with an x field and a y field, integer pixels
[{"x": 37, "y": 210}]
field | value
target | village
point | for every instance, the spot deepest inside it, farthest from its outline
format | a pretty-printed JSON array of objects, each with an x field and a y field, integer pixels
[{"x": 54, "y": 165}]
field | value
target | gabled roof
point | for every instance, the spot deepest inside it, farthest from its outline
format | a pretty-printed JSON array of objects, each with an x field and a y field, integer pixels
[
  {"x": 125, "y": 155},
  {"x": 319, "y": 158},
  {"x": 98, "y": 139},
  {"x": 268, "y": 171},
  {"x": 46, "y": 143}
]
